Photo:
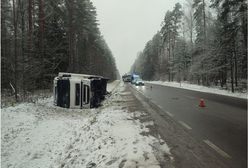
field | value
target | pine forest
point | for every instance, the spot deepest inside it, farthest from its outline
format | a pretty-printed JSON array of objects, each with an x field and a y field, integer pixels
[
  {"x": 41, "y": 38},
  {"x": 201, "y": 42}
]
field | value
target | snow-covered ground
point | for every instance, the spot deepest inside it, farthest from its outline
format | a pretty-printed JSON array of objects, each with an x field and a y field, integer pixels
[
  {"x": 111, "y": 86},
  {"x": 200, "y": 88},
  {"x": 43, "y": 135}
]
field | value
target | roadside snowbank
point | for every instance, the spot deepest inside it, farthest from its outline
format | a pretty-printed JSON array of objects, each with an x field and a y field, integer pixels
[
  {"x": 43, "y": 135},
  {"x": 111, "y": 86},
  {"x": 200, "y": 88}
]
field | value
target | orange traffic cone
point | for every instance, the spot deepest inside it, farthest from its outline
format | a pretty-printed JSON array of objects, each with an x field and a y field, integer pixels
[{"x": 202, "y": 103}]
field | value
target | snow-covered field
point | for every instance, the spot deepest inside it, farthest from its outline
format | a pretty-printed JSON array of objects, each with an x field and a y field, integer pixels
[
  {"x": 43, "y": 135},
  {"x": 200, "y": 88}
]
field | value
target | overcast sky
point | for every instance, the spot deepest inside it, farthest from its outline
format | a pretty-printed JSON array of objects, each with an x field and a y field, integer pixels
[{"x": 128, "y": 24}]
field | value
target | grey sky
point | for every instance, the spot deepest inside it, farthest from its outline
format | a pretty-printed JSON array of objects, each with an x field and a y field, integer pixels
[{"x": 128, "y": 24}]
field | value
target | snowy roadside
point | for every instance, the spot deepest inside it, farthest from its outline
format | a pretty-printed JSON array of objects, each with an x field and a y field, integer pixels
[
  {"x": 200, "y": 88},
  {"x": 43, "y": 135},
  {"x": 111, "y": 86}
]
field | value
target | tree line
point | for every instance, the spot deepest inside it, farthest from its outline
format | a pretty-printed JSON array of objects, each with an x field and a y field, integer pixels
[
  {"x": 41, "y": 38},
  {"x": 203, "y": 42}
]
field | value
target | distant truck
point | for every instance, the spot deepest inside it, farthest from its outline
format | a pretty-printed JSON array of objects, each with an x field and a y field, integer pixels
[
  {"x": 127, "y": 78},
  {"x": 134, "y": 78},
  {"x": 79, "y": 90}
]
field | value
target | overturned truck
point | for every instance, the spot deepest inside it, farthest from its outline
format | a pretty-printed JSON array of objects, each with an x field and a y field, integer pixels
[{"x": 79, "y": 90}]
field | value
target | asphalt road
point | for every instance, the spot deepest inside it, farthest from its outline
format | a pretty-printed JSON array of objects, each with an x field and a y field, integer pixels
[{"x": 222, "y": 124}]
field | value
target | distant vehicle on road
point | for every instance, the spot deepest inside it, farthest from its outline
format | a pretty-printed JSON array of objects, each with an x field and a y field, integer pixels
[
  {"x": 127, "y": 78},
  {"x": 139, "y": 82},
  {"x": 134, "y": 78}
]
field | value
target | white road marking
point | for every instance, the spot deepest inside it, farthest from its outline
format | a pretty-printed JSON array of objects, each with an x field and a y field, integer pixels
[
  {"x": 217, "y": 149},
  {"x": 125, "y": 93},
  {"x": 190, "y": 97},
  {"x": 185, "y": 125},
  {"x": 168, "y": 113}
]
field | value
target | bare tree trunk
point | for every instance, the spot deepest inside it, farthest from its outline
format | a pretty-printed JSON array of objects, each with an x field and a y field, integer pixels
[
  {"x": 205, "y": 39},
  {"x": 4, "y": 46},
  {"x": 30, "y": 30},
  {"x": 232, "y": 80},
  {"x": 235, "y": 64},
  {"x": 204, "y": 20},
  {"x": 22, "y": 46},
  {"x": 41, "y": 37},
  {"x": 71, "y": 35},
  {"x": 173, "y": 53},
  {"x": 191, "y": 38},
  {"x": 224, "y": 72},
  {"x": 169, "y": 58},
  {"x": 15, "y": 48}
]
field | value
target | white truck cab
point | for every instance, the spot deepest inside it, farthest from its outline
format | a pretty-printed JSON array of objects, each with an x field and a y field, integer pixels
[{"x": 78, "y": 90}]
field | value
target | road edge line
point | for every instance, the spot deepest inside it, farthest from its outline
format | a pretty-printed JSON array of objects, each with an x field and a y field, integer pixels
[
  {"x": 151, "y": 102},
  {"x": 185, "y": 125},
  {"x": 217, "y": 149}
]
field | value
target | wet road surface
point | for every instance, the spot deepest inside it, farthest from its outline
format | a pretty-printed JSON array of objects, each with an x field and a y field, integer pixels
[{"x": 222, "y": 124}]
